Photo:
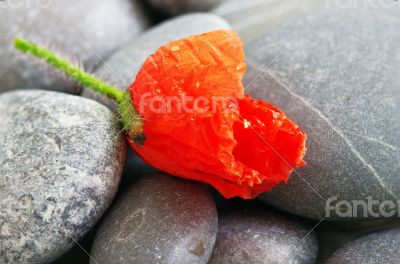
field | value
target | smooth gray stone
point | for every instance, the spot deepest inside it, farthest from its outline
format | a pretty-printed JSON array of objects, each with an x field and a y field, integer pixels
[
  {"x": 177, "y": 7},
  {"x": 333, "y": 235},
  {"x": 82, "y": 31},
  {"x": 254, "y": 18},
  {"x": 339, "y": 80},
  {"x": 159, "y": 219},
  {"x": 121, "y": 68},
  {"x": 376, "y": 248},
  {"x": 135, "y": 167},
  {"x": 61, "y": 159},
  {"x": 249, "y": 236}
]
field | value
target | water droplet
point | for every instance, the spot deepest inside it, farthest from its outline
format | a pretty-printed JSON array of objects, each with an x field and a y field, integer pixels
[
  {"x": 175, "y": 48},
  {"x": 275, "y": 114},
  {"x": 197, "y": 84},
  {"x": 246, "y": 123},
  {"x": 240, "y": 66}
]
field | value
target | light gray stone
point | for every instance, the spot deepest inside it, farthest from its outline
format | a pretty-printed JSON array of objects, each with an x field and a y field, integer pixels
[
  {"x": 121, "y": 68},
  {"x": 159, "y": 219},
  {"x": 177, "y": 7},
  {"x": 61, "y": 159},
  {"x": 253, "y": 18},
  {"x": 82, "y": 31},
  {"x": 250, "y": 236},
  {"x": 375, "y": 248},
  {"x": 339, "y": 80}
]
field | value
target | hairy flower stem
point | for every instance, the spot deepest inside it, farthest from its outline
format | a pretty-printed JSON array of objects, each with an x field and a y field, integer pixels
[{"x": 132, "y": 122}]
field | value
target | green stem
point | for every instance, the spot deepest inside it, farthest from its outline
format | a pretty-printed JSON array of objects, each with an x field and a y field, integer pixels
[
  {"x": 131, "y": 119},
  {"x": 69, "y": 69}
]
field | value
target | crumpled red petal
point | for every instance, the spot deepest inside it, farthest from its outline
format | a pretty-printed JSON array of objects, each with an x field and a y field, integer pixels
[{"x": 239, "y": 145}]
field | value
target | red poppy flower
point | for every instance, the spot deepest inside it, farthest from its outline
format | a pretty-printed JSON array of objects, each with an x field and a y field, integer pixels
[
  {"x": 200, "y": 125},
  {"x": 196, "y": 121}
]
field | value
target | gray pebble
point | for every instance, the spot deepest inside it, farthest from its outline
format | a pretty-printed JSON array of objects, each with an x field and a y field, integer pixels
[
  {"x": 135, "y": 167},
  {"x": 254, "y": 18},
  {"x": 339, "y": 80},
  {"x": 121, "y": 68},
  {"x": 160, "y": 219},
  {"x": 249, "y": 236},
  {"x": 334, "y": 234},
  {"x": 376, "y": 248},
  {"x": 81, "y": 31},
  {"x": 61, "y": 160}
]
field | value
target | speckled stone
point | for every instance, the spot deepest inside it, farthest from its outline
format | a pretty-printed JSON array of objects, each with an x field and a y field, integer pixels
[
  {"x": 61, "y": 160},
  {"x": 339, "y": 80},
  {"x": 177, "y": 7},
  {"x": 256, "y": 237},
  {"x": 82, "y": 31},
  {"x": 160, "y": 219},
  {"x": 121, "y": 68},
  {"x": 254, "y": 18},
  {"x": 375, "y": 248}
]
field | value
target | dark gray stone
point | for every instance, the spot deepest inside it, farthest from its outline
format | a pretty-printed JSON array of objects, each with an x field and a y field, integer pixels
[
  {"x": 375, "y": 248},
  {"x": 160, "y": 219},
  {"x": 334, "y": 234},
  {"x": 135, "y": 167},
  {"x": 83, "y": 31},
  {"x": 254, "y": 18},
  {"x": 121, "y": 68},
  {"x": 61, "y": 159},
  {"x": 339, "y": 80},
  {"x": 249, "y": 236},
  {"x": 177, "y": 7}
]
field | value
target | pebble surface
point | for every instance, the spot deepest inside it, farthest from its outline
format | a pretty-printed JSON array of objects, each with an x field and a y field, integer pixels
[
  {"x": 254, "y": 18},
  {"x": 339, "y": 82},
  {"x": 249, "y": 236},
  {"x": 159, "y": 219},
  {"x": 374, "y": 248},
  {"x": 81, "y": 31},
  {"x": 61, "y": 160}
]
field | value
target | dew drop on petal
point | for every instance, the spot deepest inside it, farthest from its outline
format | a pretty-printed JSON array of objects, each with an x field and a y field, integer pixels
[
  {"x": 240, "y": 66},
  {"x": 175, "y": 48},
  {"x": 246, "y": 123}
]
